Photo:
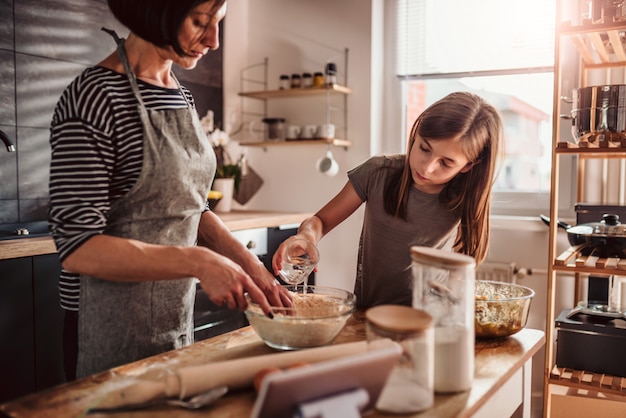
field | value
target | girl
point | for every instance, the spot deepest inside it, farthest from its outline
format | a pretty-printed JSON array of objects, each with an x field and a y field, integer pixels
[{"x": 437, "y": 194}]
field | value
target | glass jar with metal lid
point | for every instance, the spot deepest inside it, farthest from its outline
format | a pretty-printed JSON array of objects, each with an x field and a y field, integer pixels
[{"x": 409, "y": 387}]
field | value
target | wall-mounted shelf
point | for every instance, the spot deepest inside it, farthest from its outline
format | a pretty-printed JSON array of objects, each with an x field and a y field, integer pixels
[
  {"x": 297, "y": 92},
  {"x": 315, "y": 141},
  {"x": 324, "y": 94}
]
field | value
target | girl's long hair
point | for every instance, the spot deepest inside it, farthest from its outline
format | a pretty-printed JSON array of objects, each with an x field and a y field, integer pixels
[{"x": 477, "y": 126}]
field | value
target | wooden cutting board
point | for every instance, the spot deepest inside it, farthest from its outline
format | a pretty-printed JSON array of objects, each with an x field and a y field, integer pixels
[{"x": 248, "y": 186}]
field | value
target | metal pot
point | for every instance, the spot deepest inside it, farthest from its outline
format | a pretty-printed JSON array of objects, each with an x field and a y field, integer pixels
[
  {"x": 607, "y": 237},
  {"x": 599, "y": 113}
]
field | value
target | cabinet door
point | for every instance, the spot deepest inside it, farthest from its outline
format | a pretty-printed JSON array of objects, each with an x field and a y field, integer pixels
[
  {"x": 48, "y": 322},
  {"x": 17, "y": 366}
]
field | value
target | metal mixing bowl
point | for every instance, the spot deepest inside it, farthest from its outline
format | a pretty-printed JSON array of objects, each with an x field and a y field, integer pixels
[
  {"x": 501, "y": 308},
  {"x": 315, "y": 320}
]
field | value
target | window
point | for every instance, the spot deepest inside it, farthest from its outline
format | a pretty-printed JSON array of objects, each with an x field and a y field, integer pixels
[{"x": 504, "y": 52}]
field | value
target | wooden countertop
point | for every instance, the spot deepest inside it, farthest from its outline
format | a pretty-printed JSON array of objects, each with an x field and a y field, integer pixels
[
  {"x": 495, "y": 362},
  {"x": 235, "y": 221}
]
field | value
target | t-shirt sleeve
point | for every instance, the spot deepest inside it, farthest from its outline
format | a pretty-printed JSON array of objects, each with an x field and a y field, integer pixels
[{"x": 360, "y": 176}]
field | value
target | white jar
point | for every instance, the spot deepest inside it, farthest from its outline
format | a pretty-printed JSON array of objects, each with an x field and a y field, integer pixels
[{"x": 409, "y": 387}]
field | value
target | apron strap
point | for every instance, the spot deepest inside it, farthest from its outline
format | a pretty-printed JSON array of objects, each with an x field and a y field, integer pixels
[
  {"x": 121, "y": 52},
  {"x": 129, "y": 72}
]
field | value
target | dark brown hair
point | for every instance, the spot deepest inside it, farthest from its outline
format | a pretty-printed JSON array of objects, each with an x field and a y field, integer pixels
[
  {"x": 157, "y": 21},
  {"x": 477, "y": 126}
]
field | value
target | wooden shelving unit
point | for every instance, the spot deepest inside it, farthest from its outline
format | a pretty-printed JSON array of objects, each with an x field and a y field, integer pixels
[{"x": 600, "y": 46}]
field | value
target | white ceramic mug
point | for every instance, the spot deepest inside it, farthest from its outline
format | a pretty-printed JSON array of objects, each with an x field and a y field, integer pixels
[
  {"x": 326, "y": 131},
  {"x": 308, "y": 131},
  {"x": 293, "y": 131},
  {"x": 327, "y": 165}
]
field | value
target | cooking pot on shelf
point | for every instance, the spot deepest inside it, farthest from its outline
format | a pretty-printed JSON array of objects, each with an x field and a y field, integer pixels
[
  {"x": 607, "y": 237},
  {"x": 599, "y": 113}
]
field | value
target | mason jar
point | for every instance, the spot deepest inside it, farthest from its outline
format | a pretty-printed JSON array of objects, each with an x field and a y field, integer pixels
[{"x": 409, "y": 387}]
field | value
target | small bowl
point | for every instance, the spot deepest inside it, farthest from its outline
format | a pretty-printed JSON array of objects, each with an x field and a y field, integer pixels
[
  {"x": 501, "y": 308},
  {"x": 315, "y": 320}
]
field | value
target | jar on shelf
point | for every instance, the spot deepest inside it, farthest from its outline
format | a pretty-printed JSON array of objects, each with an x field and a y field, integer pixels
[
  {"x": 284, "y": 82},
  {"x": 307, "y": 80},
  {"x": 296, "y": 81},
  {"x": 409, "y": 387},
  {"x": 318, "y": 79},
  {"x": 331, "y": 74},
  {"x": 443, "y": 286}
]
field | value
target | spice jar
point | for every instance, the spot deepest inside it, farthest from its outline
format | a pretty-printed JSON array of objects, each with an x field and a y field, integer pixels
[
  {"x": 295, "y": 81},
  {"x": 307, "y": 80},
  {"x": 318, "y": 79},
  {"x": 331, "y": 74},
  {"x": 409, "y": 387},
  {"x": 284, "y": 82},
  {"x": 443, "y": 286}
]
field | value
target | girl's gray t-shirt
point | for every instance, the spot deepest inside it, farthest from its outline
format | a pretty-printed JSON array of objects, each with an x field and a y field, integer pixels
[{"x": 384, "y": 274}]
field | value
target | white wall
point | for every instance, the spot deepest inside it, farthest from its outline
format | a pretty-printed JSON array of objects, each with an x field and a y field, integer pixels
[{"x": 298, "y": 36}]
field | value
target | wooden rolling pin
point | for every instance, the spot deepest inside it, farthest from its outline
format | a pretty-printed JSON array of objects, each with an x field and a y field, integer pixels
[{"x": 239, "y": 373}]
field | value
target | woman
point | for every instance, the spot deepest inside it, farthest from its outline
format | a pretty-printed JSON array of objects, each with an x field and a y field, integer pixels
[
  {"x": 437, "y": 194},
  {"x": 131, "y": 168}
]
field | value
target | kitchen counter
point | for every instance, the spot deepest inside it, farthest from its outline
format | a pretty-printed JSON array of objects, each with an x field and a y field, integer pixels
[
  {"x": 235, "y": 221},
  {"x": 501, "y": 379}
]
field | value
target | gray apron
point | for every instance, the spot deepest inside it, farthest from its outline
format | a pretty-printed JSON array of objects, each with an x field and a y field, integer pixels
[{"x": 124, "y": 322}]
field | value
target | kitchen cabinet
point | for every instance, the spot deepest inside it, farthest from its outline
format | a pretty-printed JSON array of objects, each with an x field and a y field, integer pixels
[
  {"x": 31, "y": 323},
  {"x": 599, "y": 50},
  {"x": 318, "y": 96}
]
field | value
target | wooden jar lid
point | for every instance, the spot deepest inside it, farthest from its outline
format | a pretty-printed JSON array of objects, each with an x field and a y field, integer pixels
[
  {"x": 429, "y": 255},
  {"x": 397, "y": 318}
]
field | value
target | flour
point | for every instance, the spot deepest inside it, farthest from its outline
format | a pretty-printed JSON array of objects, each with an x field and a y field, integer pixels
[{"x": 454, "y": 359}]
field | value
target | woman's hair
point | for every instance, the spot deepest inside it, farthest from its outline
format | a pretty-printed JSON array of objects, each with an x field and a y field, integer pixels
[
  {"x": 157, "y": 21},
  {"x": 477, "y": 126}
]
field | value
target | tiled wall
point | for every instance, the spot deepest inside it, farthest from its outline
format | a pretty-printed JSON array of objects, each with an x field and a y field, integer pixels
[{"x": 44, "y": 44}]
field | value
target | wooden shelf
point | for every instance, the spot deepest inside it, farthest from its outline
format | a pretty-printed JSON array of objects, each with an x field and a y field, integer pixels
[
  {"x": 573, "y": 260},
  {"x": 588, "y": 380},
  {"x": 297, "y": 92},
  {"x": 599, "y": 44},
  {"x": 586, "y": 148},
  {"x": 315, "y": 141}
]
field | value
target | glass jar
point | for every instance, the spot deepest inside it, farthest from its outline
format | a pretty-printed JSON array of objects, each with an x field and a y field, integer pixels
[
  {"x": 296, "y": 81},
  {"x": 307, "y": 80},
  {"x": 318, "y": 79},
  {"x": 331, "y": 74},
  {"x": 284, "y": 82},
  {"x": 274, "y": 129},
  {"x": 409, "y": 387},
  {"x": 443, "y": 286}
]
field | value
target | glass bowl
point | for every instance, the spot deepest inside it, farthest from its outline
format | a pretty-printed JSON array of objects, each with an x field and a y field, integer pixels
[
  {"x": 315, "y": 320},
  {"x": 501, "y": 308}
]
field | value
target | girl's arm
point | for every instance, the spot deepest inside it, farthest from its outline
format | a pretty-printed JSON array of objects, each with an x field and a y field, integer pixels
[{"x": 325, "y": 220}]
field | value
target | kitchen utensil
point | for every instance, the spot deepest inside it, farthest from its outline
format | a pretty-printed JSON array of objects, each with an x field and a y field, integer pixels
[
  {"x": 501, "y": 309},
  {"x": 195, "y": 402},
  {"x": 599, "y": 113},
  {"x": 328, "y": 165},
  {"x": 314, "y": 320},
  {"x": 301, "y": 257},
  {"x": 443, "y": 286},
  {"x": 607, "y": 237}
]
